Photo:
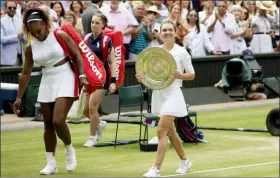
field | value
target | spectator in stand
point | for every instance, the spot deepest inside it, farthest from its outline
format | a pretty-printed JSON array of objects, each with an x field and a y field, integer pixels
[
  {"x": 196, "y": 41},
  {"x": 46, "y": 5},
  {"x": 19, "y": 7},
  {"x": 238, "y": 44},
  {"x": 142, "y": 35},
  {"x": 197, "y": 4},
  {"x": 60, "y": 12},
  {"x": 169, "y": 4},
  {"x": 175, "y": 13},
  {"x": 246, "y": 22},
  {"x": 11, "y": 37},
  {"x": 33, "y": 4},
  {"x": 208, "y": 10},
  {"x": 77, "y": 8},
  {"x": 186, "y": 6},
  {"x": 92, "y": 9},
  {"x": 66, "y": 5},
  {"x": 3, "y": 12},
  {"x": 71, "y": 18},
  {"x": 162, "y": 9},
  {"x": 252, "y": 7},
  {"x": 53, "y": 15},
  {"x": 85, "y": 4},
  {"x": 276, "y": 22},
  {"x": 152, "y": 15},
  {"x": 261, "y": 42},
  {"x": 121, "y": 19},
  {"x": 220, "y": 24}
]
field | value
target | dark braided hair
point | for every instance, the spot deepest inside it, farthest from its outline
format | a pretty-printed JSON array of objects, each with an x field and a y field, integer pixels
[{"x": 33, "y": 15}]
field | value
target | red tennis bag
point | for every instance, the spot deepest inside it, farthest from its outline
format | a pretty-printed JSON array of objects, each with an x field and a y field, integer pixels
[
  {"x": 117, "y": 42},
  {"x": 93, "y": 67}
]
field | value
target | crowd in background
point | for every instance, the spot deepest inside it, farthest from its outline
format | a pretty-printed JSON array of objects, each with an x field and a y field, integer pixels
[{"x": 203, "y": 27}]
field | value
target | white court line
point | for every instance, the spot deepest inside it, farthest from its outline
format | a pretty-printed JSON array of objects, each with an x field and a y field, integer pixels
[{"x": 220, "y": 169}]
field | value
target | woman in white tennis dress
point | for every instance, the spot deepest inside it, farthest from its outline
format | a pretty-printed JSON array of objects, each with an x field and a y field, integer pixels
[
  {"x": 169, "y": 103},
  {"x": 57, "y": 88}
]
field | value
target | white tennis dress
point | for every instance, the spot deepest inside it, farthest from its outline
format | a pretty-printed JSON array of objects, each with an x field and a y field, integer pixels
[
  {"x": 56, "y": 81},
  {"x": 170, "y": 101}
]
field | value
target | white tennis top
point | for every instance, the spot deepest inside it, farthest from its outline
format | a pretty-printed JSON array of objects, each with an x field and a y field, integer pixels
[
  {"x": 48, "y": 52},
  {"x": 183, "y": 61}
]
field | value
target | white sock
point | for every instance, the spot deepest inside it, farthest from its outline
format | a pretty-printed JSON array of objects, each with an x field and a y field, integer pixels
[
  {"x": 186, "y": 160},
  {"x": 50, "y": 157},
  {"x": 93, "y": 137},
  {"x": 69, "y": 147},
  {"x": 156, "y": 168}
]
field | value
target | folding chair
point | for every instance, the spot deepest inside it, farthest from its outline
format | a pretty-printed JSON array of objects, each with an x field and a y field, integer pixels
[{"x": 132, "y": 96}]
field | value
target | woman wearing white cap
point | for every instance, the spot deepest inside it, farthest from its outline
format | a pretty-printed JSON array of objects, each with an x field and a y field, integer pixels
[
  {"x": 262, "y": 42},
  {"x": 152, "y": 15}
]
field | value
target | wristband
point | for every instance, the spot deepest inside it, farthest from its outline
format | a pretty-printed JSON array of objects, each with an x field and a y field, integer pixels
[
  {"x": 82, "y": 76},
  {"x": 113, "y": 79}
]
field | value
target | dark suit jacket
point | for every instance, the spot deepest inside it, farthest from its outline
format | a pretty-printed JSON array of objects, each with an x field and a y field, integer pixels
[{"x": 87, "y": 16}]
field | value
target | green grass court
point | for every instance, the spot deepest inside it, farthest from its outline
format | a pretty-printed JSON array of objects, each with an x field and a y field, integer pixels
[{"x": 227, "y": 153}]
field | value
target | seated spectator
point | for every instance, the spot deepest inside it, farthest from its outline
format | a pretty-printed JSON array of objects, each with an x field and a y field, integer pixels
[
  {"x": 220, "y": 24},
  {"x": 253, "y": 94},
  {"x": 196, "y": 41}
]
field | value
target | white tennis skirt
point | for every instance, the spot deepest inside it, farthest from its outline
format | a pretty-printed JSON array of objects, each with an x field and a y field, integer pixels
[
  {"x": 56, "y": 82},
  {"x": 169, "y": 101}
]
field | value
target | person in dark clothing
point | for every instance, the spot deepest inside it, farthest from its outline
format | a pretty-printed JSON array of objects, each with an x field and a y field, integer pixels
[
  {"x": 92, "y": 9},
  {"x": 102, "y": 46}
]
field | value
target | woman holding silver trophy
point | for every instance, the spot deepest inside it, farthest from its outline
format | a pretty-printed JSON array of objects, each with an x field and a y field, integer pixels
[{"x": 162, "y": 69}]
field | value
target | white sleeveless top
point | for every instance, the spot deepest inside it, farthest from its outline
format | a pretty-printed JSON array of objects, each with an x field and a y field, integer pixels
[{"x": 48, "y": 52}]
